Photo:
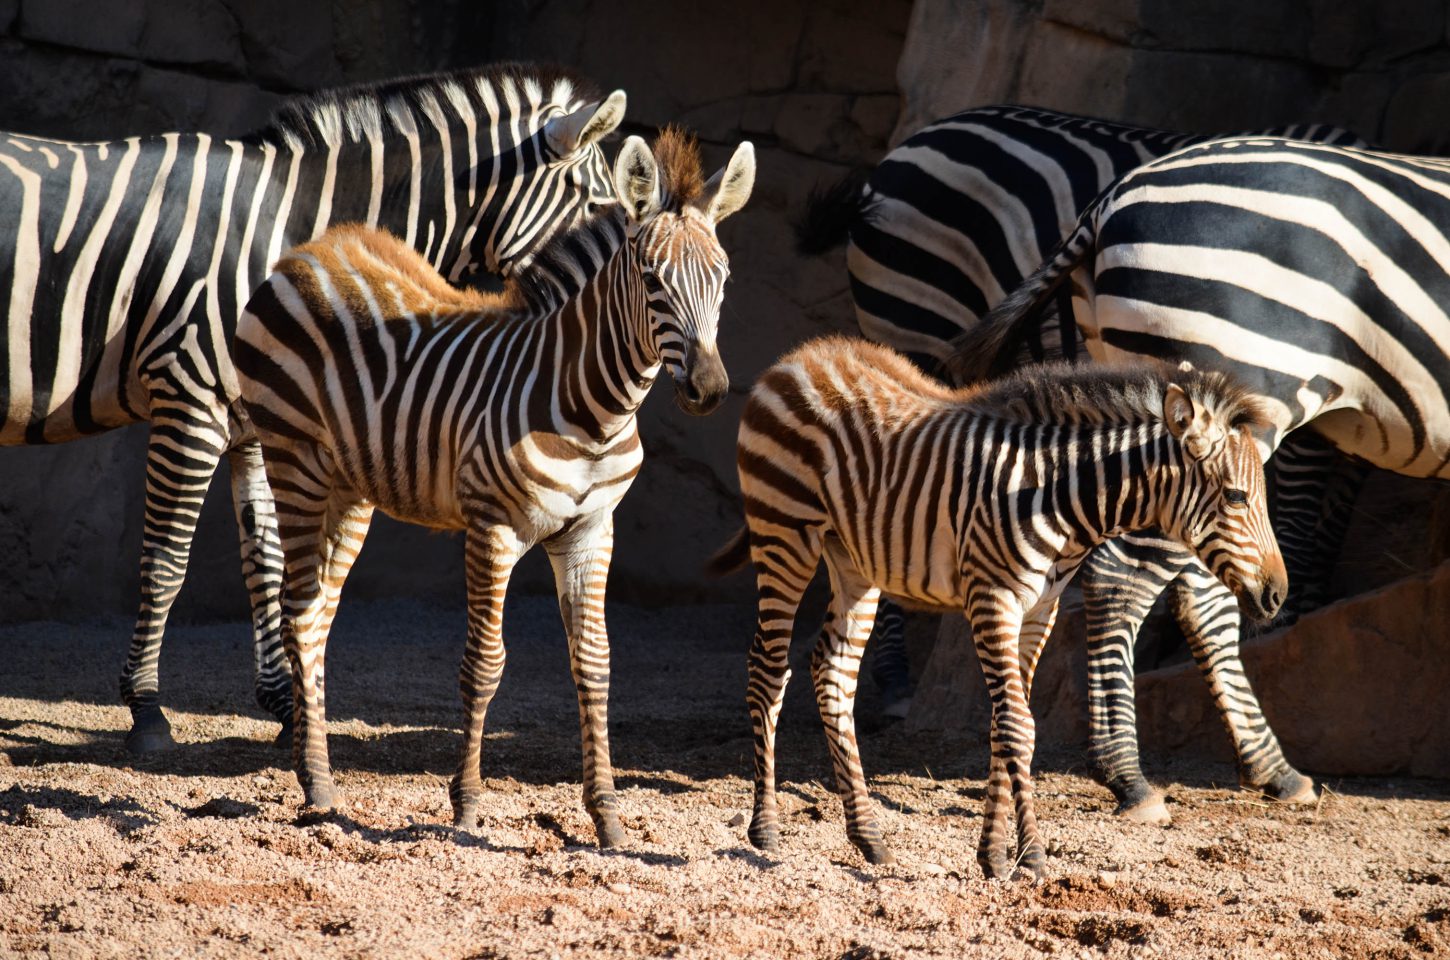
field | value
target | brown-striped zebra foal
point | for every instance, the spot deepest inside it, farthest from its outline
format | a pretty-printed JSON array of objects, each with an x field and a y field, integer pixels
[
  {"x": 372, "y": 383},
  {"x": 980, "y": 501}
]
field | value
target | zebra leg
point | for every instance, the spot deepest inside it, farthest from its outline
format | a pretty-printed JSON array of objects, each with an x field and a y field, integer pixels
[
  {"x": 182, "y": 454},
  {"x": 784, "y": 566},
  {"x": 1210, "y": 618},
  {"x": 997, "y": 625},
  {"x": 1120, "y": 581},
  {"x": 890, "y": 668},
  {"x": 491, "y": 553},
  {"x": 1314, "y": 491},
  {"x": 1035, "y": 632},
  {"x": 262, "y": 569},
  {"x": 835, "y": 667},
  {"x": 581, "y": 569}
]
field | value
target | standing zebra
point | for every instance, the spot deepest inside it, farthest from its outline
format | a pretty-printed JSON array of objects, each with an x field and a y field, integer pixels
[
  {"x": 125, "y": 265},
  {"x": 979, "y": 501},
  {"x": 371, "y": 383},
  {"x": 1315, "y": 274},
  {"x": 950, "y": 221}
]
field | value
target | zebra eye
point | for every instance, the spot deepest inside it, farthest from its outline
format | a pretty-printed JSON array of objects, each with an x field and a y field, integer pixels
[
  {"x": 1235, "y": 496},
  {"x": 652, "y": 283}
]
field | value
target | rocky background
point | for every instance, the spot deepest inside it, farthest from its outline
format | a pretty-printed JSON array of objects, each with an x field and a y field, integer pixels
[{"x": 820, "y": 87}]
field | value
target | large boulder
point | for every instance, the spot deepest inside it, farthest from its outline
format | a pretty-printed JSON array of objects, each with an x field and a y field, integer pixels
[{"x": 1361, "y": 687}]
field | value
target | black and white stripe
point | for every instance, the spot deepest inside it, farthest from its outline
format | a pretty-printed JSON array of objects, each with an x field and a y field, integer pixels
[
  {"x": 124, "y": 265},
  {"x": 982, "y": 501},
  {"x": 373, "y": 384},
  {"x": 1316, "y": 274}
]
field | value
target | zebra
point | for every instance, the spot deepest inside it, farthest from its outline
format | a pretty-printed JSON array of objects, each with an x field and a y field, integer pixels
[
  {"x": 371, "y": 383},
  {"x": 126, "y": 263},
  {"x": 950, "y": 221},
  {"x": 983, "y": 501},
  {"x": 1313, "y": 273}
]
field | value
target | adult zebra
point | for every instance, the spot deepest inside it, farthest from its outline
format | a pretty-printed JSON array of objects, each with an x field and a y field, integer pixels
[
  {"x": 1316, "y": 274},
  {"x": 981, "y": 502},
  {"x": 949, "y": 222},
  {"x": 513, "y": 417},
  {"x": 126, "y": 264}
]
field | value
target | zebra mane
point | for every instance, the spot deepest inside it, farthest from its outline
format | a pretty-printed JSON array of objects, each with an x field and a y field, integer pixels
[
  {"x": 682, "y": 178},
  {"x": 1066, "y": 393},
  {"x": 396, "y": 105}
]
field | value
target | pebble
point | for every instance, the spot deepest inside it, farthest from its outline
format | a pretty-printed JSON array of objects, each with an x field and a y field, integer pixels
[
  {"x": 1107, "y": 879},
  {"x": 620, "y": 888},
  {"x": 933, "y": 869},
  {"x": 736, "y": 821},
  {"x": 260, "y": 781}
]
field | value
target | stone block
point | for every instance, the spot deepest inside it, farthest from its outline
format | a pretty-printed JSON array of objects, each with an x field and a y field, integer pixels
[
  {"x": 1267, "y": 29},
  {"x": 1213, "y": 93},
  {"x": 287, "y": 45},
  {"x": 9, "y": 15},
  {"x": 74, "y": 23},
  {"x": 1352, "y": 34},
  {"x": 1077, "y": 72},
  {"x": 1408, "y": 125},
  {"x": 1116, "y": 20},
  {"x": 849, "y": 47},
  {"x": 200, "y": 32}
]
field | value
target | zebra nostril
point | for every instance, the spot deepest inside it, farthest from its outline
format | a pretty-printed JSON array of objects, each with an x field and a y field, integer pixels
[{"x": 1270, "y": 598}]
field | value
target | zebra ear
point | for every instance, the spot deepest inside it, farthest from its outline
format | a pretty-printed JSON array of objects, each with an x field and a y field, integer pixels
[
  {"x": 585, "y": 126},
  {"x": 637, "y": 179},
  {"x": 1194, "y": 426},
  {"x": 1178, "y": 411},
  {"x": 730, "y": 187}
]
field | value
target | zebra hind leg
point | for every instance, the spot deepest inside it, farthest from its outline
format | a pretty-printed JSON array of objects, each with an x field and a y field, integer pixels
[
  {"x": 1120, "y": 580},
  {"x": 890, "y": 668},
  {"x": 182, "y": 454},
  {"x": 1210, "y": 618},
  {"x": 835, "y": 667},
  {"x": 784, "y": 565},
  {"x": 262, "y": 569}
]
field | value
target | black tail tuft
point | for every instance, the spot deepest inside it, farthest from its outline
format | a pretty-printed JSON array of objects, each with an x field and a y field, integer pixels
[
  {"x": 829, "y": 214},
  {"x": 731, "y": 557}
]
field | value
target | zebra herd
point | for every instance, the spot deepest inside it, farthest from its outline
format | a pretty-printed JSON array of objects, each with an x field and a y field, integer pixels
[{"x": 292, "y": 300}]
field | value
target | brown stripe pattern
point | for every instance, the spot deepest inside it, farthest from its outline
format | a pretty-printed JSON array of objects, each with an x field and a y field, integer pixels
[
  {"x": 374, "y": 385},
  {"x": 982, "y": 501}
]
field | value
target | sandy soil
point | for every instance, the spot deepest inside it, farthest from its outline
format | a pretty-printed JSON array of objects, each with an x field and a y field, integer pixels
[{"x": 201, "y": 852}]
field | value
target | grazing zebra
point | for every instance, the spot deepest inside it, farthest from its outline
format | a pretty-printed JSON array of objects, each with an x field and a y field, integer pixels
[
  {"x": 949, "y": 222},
  {"x": 371, "y": 383},
  {"x": 982, "y": 501},
  {"x": 1315, "y": 274},
  {"x": 125, "y": 265}
]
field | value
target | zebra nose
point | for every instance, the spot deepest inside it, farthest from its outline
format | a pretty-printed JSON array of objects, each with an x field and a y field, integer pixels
[{"x": 1271, "y": 598}]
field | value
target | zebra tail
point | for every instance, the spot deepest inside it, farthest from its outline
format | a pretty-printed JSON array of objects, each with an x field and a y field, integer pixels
[
  {"x": 830, "y": 212},
  {"x": 988, "y": 349},
  {"x": 731, "y": 557}
]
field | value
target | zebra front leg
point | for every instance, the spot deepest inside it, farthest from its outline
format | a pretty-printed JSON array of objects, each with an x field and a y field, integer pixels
[
  {"x": 1210, "y": 618},
  {"x": 182, "y": 454},
  {"x": 835, "y": 668},
  {"x": 262, "y": 569},
  {"x": 491, "y": 551},
  {"x": 581, "y": 570},
  {"x": 890, "y": 667},
  {"x": 1120, "y": 580},
  {"x": 1315, "y": 487},
  {"x": 996, "y": 619},
  {"x": 784, "y": 564}
]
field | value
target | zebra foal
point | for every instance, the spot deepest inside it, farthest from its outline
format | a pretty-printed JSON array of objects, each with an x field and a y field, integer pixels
[
  {"x": 983, "y": 501},
  {"x": 372, "y": 383}
]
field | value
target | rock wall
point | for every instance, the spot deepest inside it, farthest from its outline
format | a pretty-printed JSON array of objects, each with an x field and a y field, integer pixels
[
  {"x": 1378, "y": 68},
  {"x": 811, "y": 83},
  {"x": 1356, "y": 688}
]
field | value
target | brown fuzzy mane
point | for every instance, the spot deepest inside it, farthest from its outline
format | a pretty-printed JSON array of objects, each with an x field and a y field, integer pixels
[
  {"x": 1064, "y": 393},
  {"x": 681, "y": 176}
]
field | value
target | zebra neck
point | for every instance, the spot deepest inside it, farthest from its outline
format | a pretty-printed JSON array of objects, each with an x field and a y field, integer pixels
[
  {"x": 1129, "y": 477},
  {"x": 605, "y": 359}
]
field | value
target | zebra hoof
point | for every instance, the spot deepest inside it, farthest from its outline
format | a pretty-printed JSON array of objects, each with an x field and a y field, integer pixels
[
  {"x": 877, "y": 854},
  {"x": 996, "y": 868},
  {"x": 765, "y": 836},
  {"x": 611, "y": 834},
  {"x": 1293, "y": 787},
  {"x": 150, "y": 733},
  {"x": 1150, "y": 809},
  {"x": 896, "y": 709},
  {"x": 466, "y": 817},
  {"x": 283, "y": 740},
  {"x": 321, "y": 798},
  {"x": 1031, "y": 865}
]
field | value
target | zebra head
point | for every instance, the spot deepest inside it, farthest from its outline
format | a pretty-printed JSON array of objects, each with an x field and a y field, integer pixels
[
  {"x": 678, "y": 269},
  {"x": 1224, "y": 513},
  {"x": 560, "y": 176}
]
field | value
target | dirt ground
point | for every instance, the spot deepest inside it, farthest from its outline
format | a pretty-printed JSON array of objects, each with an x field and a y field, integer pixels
[{"x": 200, "y": 852}]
